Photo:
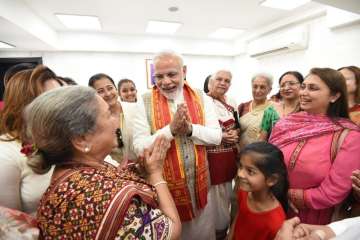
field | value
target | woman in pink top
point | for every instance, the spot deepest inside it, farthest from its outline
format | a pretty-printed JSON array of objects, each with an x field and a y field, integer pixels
[{"x": 320, "y": 146}]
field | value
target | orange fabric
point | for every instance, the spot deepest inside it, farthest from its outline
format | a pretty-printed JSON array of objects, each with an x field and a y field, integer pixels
[{"x": 173, "y": 164}]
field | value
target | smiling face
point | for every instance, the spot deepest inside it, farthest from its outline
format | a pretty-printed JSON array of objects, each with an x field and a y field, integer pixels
[
  {"x": 289, "y": 87},
  {"x": 315, "y": 95},
  {"x": 105, "y": 88},
  {"x": 220, "y": 84},
  {"x": 250, "y": 176},
  {"x": 260, "y": 89},
  {"x": 169, "y": 76},
  {"x": 127, "y": 92},
  {"x": 104, "y": 138}
]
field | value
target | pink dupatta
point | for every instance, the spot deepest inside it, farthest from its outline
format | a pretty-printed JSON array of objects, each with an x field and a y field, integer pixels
[{"x": 302, "y": 125}]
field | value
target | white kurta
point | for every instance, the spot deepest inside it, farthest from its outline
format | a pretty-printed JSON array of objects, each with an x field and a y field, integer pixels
[
  {"x": 202, "y": 226},
  {"x": 21, "y": 188}
]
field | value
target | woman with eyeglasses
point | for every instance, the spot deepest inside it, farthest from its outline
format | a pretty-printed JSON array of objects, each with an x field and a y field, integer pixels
[
  {"x": 320, "y": 147},
  {"x": 289, "y": 84},
  {"x": 106, "y": 88}
]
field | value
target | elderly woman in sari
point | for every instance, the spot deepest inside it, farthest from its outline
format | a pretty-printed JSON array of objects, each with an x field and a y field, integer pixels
[
  {"x": 88, "y": 198},
  {"x": 251, "y": 113},
  {"x": 319, "y": 146},
  {"x": 289, "y": 92}
]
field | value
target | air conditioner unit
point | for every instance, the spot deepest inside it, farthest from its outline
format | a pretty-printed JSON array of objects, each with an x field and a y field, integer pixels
[{"x": 276, "y": 43}]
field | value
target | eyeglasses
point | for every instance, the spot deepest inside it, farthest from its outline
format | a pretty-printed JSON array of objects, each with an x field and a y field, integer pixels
[
  {"x": 290, "y": 84},
  {"x": 170, "y": 75}
]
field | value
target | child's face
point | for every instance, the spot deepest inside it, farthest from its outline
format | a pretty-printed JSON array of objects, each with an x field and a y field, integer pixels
[
  {"x": 251, "y": 178},
  {"x": 127, "y": 92}
]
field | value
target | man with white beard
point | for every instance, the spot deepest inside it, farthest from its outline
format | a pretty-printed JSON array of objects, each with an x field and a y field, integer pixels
[{"x": 186, "y": 117}]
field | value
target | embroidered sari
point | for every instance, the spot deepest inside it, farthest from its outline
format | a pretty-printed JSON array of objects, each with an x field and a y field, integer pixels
[
  {"x": 319, "y": 169},
  {"x": 101, "y": 203},
  {"x": 250, "y": 121}
]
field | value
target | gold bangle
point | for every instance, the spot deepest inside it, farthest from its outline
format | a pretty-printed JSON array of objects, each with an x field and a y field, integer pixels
[{"x": 159, "y": 183}]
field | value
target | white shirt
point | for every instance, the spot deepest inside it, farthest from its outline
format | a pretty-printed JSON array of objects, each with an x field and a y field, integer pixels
[
  {"x": 347, "y": 229},
  {"x": 222, "y": 112},
  {"x": 20, "y": 187},
  {"x": 210, "y": 134}
]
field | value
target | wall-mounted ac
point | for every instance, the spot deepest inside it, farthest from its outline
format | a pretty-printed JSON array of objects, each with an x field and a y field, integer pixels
[{"x": 277, "y": 43}]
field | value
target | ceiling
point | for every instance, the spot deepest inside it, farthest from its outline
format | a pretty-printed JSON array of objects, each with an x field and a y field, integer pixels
[
  {"x": 199, "y": 17},
  {"x": 32, "y": 25}
]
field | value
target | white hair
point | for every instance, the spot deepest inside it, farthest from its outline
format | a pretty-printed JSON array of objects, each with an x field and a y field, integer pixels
[
  {"x": 268, "y": 77},
  {"x": 168, "y": 53}
]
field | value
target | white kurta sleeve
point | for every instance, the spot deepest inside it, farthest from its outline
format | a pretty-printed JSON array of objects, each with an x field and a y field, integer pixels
[
  {"x": 142, "y": 137},
  {"x": 10, "y": 177},
  {"x": 211, "y": 133},
  {"x": 340, "y": 227}
]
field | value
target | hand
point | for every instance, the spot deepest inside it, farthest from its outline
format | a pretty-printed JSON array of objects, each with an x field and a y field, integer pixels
[
  {"x": 230, "y": 136},
  {"x": 155, "y": 155},
  {"x": 181, "y": 123},
  {"x": 301, "y": 231},
  {"x": 287, "y": 229},
  {"x": 355, "y": 178}
]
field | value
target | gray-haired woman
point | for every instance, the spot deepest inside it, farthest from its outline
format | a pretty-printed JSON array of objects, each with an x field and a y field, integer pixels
[{"x": 73, "y": 129}]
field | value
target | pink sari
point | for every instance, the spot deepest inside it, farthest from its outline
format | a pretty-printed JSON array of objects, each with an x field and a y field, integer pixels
[{"x": 319, "y": 170}]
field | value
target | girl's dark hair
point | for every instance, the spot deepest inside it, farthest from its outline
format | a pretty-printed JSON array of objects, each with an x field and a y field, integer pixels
[
  {"x": 125, "y": 80},
  {"x": 356, "y": 71},
  {"x": 271, "y": 163},
  {"x": 97, "y": 77},
  {"x": 206, "y": 84},
  {"x": 336, "y": 83}
]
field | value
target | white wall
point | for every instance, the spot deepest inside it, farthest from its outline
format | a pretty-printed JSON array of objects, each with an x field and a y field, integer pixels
[
  {"x": 327, "y": 48},
  {"x": 82, "y": 65}
]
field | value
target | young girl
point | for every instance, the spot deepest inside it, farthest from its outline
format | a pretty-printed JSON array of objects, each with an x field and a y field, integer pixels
[
  {"x": 127, "y": 90},
  {"x": 262, "y": 195}
]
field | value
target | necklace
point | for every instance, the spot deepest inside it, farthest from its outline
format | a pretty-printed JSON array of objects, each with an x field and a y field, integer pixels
[{"x": 295, "y": 109}]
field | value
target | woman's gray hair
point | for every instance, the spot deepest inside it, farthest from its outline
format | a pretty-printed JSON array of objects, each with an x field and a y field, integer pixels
[
  {"x": 56, "y": 117},
  {"x": 268, "y": 77}
]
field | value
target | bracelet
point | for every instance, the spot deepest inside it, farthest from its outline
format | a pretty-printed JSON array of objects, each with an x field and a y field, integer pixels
[
  {"x": 159, "y": 183},
  {"x": 320, "y": 234}
]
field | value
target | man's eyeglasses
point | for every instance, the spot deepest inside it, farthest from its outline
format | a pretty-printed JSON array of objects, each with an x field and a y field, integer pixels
[
  {"x": 290, "y": 84},
  {"x": 170, "y": 75}
]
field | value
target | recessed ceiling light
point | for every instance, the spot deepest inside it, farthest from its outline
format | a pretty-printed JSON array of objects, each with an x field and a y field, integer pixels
[
  {"x": 226, "y": 33},
  {"x": 160, "y": 27},
  {"x": 173, "y": 9},
  {"x": 283, "y": 4},
  {"x": 6, "y": 45},
  {"x": 80, "y": 22}
]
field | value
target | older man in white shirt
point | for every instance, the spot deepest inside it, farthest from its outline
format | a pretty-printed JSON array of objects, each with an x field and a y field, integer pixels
[
  {"x": 222, "y": 158},
  {"x": 186, "y": 117}
]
